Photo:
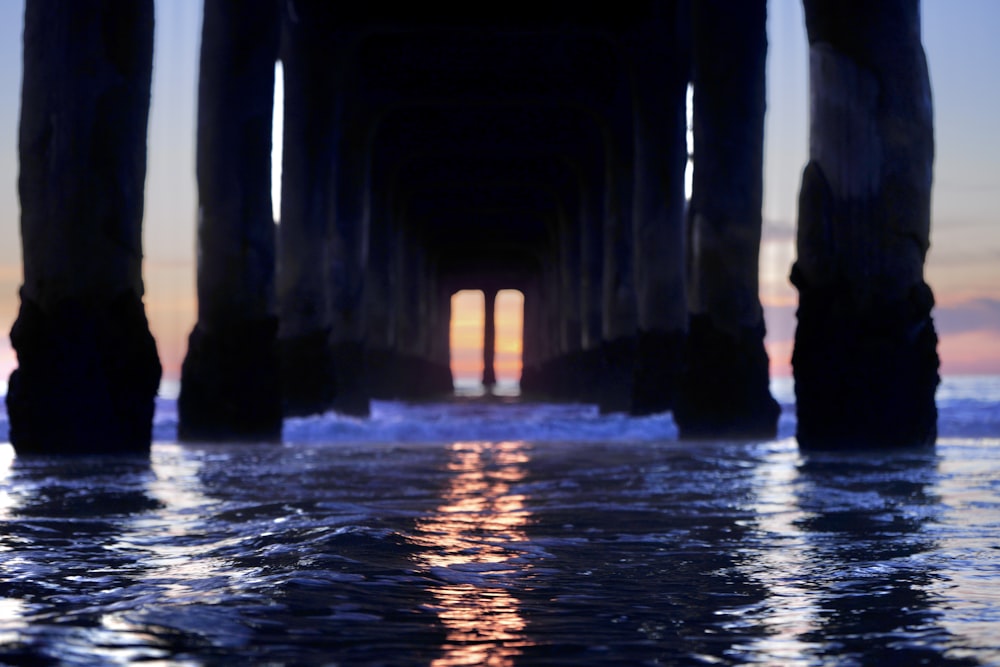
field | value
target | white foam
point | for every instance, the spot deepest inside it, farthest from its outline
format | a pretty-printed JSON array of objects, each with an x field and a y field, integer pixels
[{"x": 968, "y": 407}]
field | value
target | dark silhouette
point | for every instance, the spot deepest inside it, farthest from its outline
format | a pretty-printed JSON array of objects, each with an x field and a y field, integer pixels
[{"x": 431, "y": 148}]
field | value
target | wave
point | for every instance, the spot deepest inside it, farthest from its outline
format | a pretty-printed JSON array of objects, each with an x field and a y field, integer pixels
[{"x": 968, "y": 407}]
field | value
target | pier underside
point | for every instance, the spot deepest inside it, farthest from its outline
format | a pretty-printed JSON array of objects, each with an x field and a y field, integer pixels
[{"x": 535, "y": 146}]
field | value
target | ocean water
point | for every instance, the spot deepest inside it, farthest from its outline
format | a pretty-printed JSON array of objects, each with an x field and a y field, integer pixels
[{"x": 505, "y": 533}]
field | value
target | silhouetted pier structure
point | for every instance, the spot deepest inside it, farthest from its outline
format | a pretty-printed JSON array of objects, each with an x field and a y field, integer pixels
[{"x": 536, "y": 146}]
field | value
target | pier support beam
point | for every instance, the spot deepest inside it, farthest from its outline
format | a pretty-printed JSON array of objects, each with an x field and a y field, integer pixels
[
  {"x": 420, "y": 357},
  {"x": 304, "y": 234},
  {"x": 724, "y": 387},
  {"x": 589, "y": 361},
  {"x": 662, "y": 69},
  {"x": 439, "y": 381},
  {"x": 230, "y": 387},
  {"x": 531, "y": 359},
  {"x": 489, "y": 337},
  {"x": 619, "y": 305},
  {"x": 88, "y": 369},
  {"x": 865, "y": 359},
  {"x": 567, "y": 371},
  {"x": 349, "y": 247}
]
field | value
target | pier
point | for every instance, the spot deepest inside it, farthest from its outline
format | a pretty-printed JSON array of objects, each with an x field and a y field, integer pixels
[{"x": 534, "y": 146}]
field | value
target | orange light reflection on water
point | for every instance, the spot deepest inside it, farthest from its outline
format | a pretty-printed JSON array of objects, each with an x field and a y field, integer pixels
[{"x": 469, "y": 540}]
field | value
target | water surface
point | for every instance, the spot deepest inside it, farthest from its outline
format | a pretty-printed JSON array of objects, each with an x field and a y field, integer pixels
[{"x": 490, "y": 533}]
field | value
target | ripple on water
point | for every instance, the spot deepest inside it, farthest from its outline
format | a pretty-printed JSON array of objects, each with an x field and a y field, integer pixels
[{"x": 599, "y": 550}]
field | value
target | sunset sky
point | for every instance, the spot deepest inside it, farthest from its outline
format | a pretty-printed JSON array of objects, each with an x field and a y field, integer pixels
[
  {"x": 963, "y": 267},
  {"x": 467, "y": 335}
]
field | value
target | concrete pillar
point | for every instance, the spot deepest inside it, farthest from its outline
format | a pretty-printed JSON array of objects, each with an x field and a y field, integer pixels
[
  {"x": 437, "y": 377},
  {"x": 591, "y": 271},
  {"x": 442, "y": 381},
  {"x": 567, "y": 368},
  {"x": 661, "y": 66},
  {"x": 569, "y": 282},
  {"x": 304, "y": 236},
  {"x": 426, "y": 371},
  {"x": 552, "y": 350},
  {"x": 537, "y": 333},
  {"x": 533, "y": 341},
  {"x": 619, "y": 320},
  {"x": 724, "y": 387},
  {"x": 229, "y": 380},
  {"x": 88, "y": 369},
  {"x": 379, "y": 278},
  {"x": 380, "y": 334},
  {"x": 865, "y": 359},
  {"x": 349, "y": 253},
  {"x": 591, "y": 356},
  {"x": 409, "y": 298},
  {"x": 489, "y": 337},
  {"x": 620, "y": 316},
  {"x": 404, "y": 297}
]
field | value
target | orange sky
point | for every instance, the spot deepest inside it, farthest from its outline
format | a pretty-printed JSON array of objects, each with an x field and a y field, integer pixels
[{"x": 467, "y": 335}]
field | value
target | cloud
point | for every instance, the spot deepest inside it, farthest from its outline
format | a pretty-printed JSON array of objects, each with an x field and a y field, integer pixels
[
  {"x": 968, "y": 316},
  {"x": 780, "y": 321},
  {"x": 969, "y": 336},
  {"x": 974, "y": 352},
  {"x": 982, "y": 314},
  {"x": 989, "y": 187}
]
